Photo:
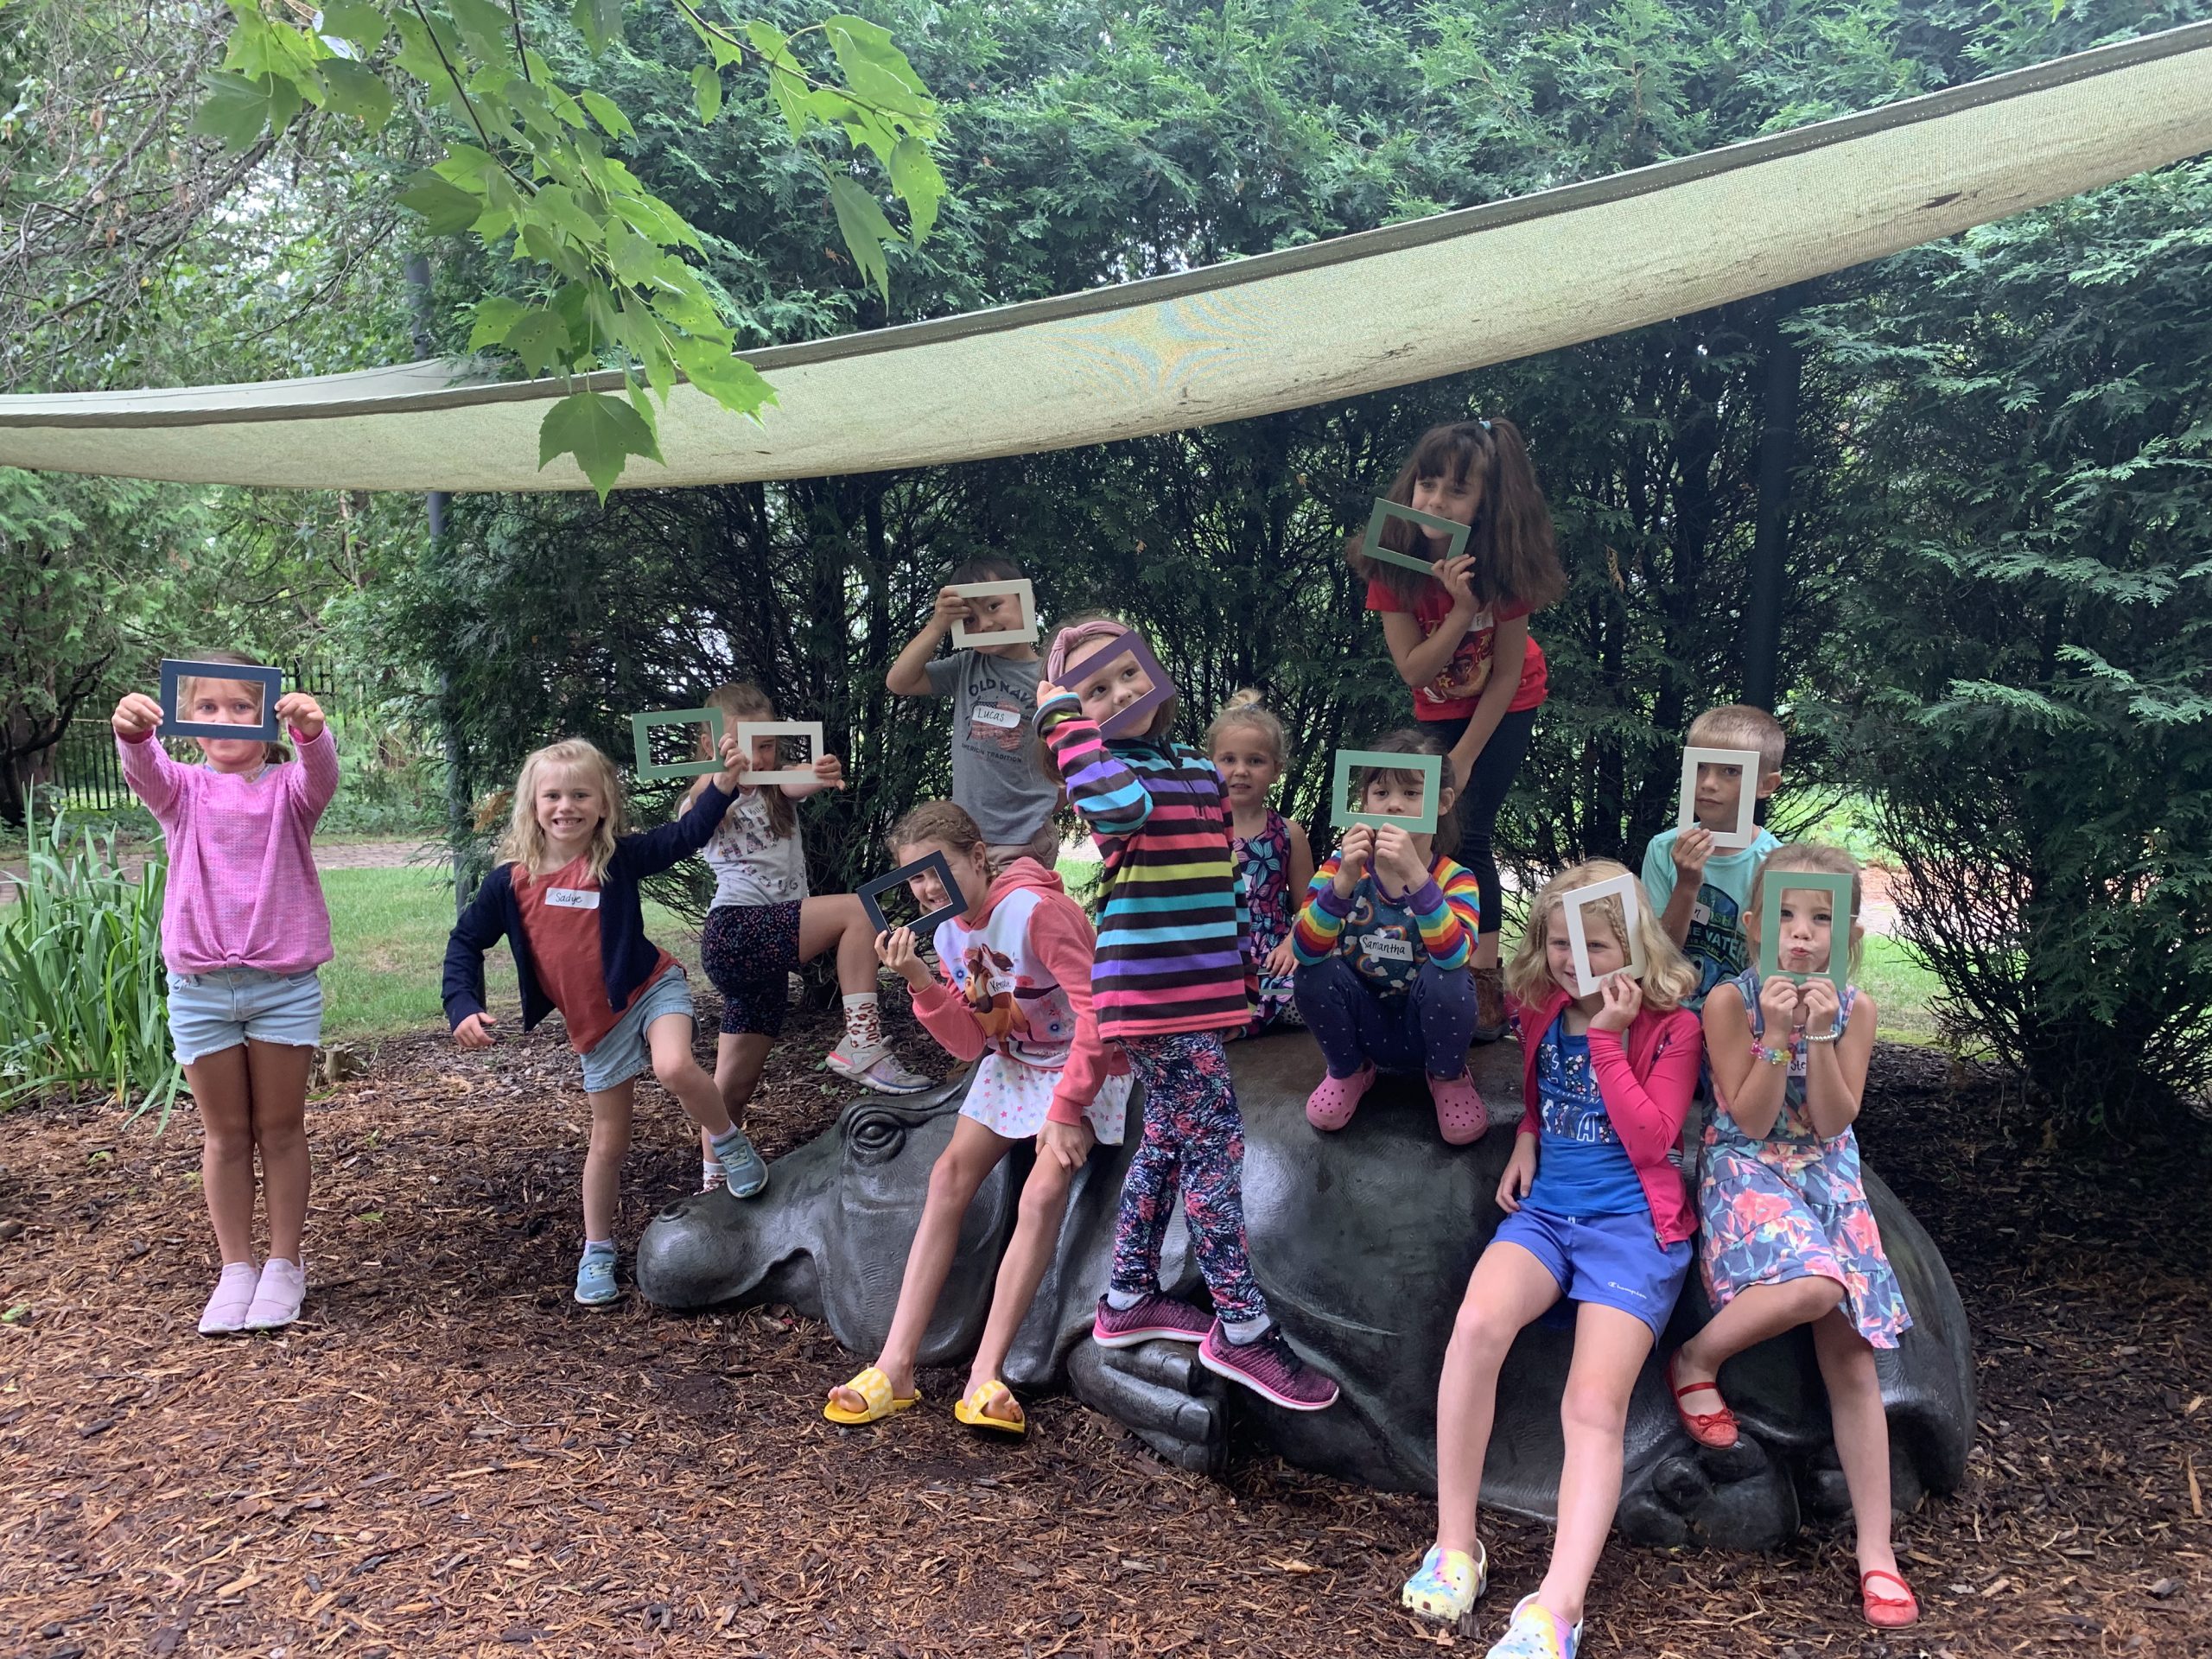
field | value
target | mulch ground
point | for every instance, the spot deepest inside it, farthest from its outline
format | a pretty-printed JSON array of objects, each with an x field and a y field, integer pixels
[{"x": 449, "y": 1457}]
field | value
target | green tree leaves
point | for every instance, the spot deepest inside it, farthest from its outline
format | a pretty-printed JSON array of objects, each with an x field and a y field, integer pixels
[{"x": 527, "y": 172}]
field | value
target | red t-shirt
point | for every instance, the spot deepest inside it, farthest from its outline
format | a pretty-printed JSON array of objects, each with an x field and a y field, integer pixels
[
  {"x": 1452, "y": 694},
  {"x": 560, "y": 917}
]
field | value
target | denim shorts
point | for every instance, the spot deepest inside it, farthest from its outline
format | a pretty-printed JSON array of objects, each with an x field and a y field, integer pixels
[
  {"x": 1613, "y": 1261},
  {"x": 622, "y": 1053},
  {"x": 209, "y": 1013}
]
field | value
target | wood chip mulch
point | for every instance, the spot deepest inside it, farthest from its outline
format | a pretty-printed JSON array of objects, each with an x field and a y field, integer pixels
[{"x": 449, "y": 1457}]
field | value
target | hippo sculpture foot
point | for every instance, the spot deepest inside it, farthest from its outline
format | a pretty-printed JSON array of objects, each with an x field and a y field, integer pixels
[{"x": 1362, "y": 1242}]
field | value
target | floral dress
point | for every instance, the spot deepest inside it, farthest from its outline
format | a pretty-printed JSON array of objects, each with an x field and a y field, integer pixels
[
  {"x": 1790, "y": 1205},
  {"x": 1263, "y": 865}
]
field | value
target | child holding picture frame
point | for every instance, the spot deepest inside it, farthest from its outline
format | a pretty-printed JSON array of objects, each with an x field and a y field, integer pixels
[
  {"x": 1699, "y": 873},
  {"x": 1455, "y": 610}
]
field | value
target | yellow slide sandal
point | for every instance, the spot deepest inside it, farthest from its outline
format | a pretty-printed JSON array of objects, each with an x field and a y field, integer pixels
[
  {"x": 972, "y": 1410},
  {"x": 873, "y": 1385}
]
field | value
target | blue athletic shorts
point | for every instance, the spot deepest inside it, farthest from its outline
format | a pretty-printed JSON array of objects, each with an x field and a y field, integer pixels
[
  {"x": 1613, "y": 1261},
  {"x": 622, "y": 1053},
  {"x": 209, "y": 1013}
]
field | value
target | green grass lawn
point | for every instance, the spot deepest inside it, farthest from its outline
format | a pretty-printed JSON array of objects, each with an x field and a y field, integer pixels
[{"x": 389, "y": 928}]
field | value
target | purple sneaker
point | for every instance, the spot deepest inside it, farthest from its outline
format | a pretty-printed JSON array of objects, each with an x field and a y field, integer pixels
[
  {"x": 1155, "y": 1319},
  {"x": 1268, "y": 1368}
]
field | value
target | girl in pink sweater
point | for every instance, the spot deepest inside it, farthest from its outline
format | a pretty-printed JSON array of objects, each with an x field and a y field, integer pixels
[
  {"x": 1015, "y": 997},
  {"x": 244, "y": 929}
]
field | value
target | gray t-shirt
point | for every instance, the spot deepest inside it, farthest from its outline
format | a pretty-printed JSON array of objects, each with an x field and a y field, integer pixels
[
  {"x": 753, "y": 865},
  {"x": 994, "y": 770}
]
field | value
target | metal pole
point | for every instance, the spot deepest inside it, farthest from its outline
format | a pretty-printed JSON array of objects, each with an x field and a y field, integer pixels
[
  {"x": 418, "y": 284},
  {"x": 1777, "y": 450}
]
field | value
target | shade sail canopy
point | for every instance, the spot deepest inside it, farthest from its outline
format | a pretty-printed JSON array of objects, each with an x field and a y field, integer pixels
[{"x": 1309, "y": 325}]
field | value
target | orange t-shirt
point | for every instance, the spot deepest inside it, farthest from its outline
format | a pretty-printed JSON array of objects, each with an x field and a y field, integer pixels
[
  {"x": 560, "y": 917},
  {"x": 1454, "y": 694}
]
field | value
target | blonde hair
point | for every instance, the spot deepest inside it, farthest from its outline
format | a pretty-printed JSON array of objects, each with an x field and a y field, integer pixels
[
  {"x": 741, "y": 700},
  {"x": 1811, "y": 858},
  {"x": 276, "y": 751},
  {"x": 525, "y": 841},
  {"x": 1668, "y": 975},
  {"x": 1245, "y": 713},
  {"x": 1741, "y": 726}
]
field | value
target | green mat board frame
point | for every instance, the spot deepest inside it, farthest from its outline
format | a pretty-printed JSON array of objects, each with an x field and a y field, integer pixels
[
  {"x": 1431, "y": 767},
  {"x": 1385, "y": 510},
  {"x": 650, "y": 772},
  {"x": 1837, "y": 887}
]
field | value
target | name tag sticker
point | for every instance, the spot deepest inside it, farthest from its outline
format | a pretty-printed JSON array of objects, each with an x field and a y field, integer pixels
[
  {"x": 572, "y": 898},
  {"x": 1004, "y": 719},
  {"x": 1386, "y": 947},
  {"x": 1701, "y": 913}
]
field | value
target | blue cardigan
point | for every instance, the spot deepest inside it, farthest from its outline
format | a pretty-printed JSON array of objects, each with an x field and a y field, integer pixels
[{"x": 626, "y": 955}]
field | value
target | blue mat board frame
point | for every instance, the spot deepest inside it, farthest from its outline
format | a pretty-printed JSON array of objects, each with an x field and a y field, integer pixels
[
  {"x": 1132, "y": 721},
  {"x": 925, "y": 926},
  {"x": 652, "y": 772},
  {"x": 176, "y": 669},
  {"x": 1774, "y": 884},
  {"x": 1371, "y": 544},
  {"x": 1431, "y": 767}
]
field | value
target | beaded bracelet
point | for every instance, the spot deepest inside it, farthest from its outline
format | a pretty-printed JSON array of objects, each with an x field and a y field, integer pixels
[
  {"x": 1771, "y": 1056},
  {"x": 1833, "y": 1032}
]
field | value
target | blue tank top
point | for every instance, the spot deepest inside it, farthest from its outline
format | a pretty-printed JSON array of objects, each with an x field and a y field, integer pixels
[{"x": 1582, "y": 1169}]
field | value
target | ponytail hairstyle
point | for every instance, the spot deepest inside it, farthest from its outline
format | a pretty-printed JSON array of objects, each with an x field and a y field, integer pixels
[
  {"x": 273, "y": 754},
  {"x": 1244, "y": 712},
  {"x": 1515, "y": 562},
  {"x": 525, "y": 841},
  {"x": 1409, "y": 740},
  {"x": 742, "y": 700},
  {"x": 1814, "y": 858},
  {"x": 1668, "y": 975},
  {"x": 1081, "y": 636}
]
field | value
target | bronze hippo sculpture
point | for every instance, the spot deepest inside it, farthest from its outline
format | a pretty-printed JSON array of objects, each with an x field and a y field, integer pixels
[{"x": 1362, "y": 1242}]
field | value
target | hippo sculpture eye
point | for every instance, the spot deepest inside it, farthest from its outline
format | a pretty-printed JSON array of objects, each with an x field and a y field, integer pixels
[{"x": 1362, "y": 1242}]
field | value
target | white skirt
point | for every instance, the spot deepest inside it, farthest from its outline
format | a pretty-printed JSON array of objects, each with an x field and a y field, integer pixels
[{"x": 1010, "y": 1098}]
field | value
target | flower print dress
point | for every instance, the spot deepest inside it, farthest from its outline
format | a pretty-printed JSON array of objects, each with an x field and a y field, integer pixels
[
  {"x": 1263, "y": 865},
  {"x": 1790, "y": 1205}
]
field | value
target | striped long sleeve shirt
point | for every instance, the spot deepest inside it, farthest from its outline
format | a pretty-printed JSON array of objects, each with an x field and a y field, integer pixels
[
  {"x": 1387, "y": 941},
  {"x": 1170, "y": 953}
]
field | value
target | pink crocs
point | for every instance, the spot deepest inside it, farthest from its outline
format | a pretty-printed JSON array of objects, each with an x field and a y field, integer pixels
[
  {"x": 1331, "y": 1106},
  {"x": 1460, "y": 1113}
]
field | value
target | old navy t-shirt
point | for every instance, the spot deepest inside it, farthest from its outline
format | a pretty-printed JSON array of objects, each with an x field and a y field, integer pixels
[
  {"x": 995, "y": 776},
  {"x": 560, "y": 918}
]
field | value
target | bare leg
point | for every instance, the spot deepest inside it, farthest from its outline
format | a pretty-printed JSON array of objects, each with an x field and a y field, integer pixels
[
  {"x": 1610, "y": 1349},
  {"x": 219, "y": 1085},
  {"x": 669, "y": 1038},
  {"x": 839, "y": 920},
  {"x": 277, "y": 1073},
  {"x": 610, "y": 1145},
  {"x": 972, "y": 1154},
  {"x": 1508, "y": 1288},
  {"x": 1029, "y": 1253},
  {"x": 1761, "y": 1312},
  {"x": 739, "y": 1062},
  {"x": 1862, "y": 1434}
]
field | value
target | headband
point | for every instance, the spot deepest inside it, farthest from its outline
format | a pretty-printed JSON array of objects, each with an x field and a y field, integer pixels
[{"x": 1097, "y": 631}]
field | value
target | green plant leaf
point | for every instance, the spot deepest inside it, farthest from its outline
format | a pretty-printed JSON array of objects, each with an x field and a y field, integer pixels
[
  {"x": 609, "y": 116},
  {"x": 447, "y": 208},
  {"x": 600, "y": 432},
  {"x": 875, "y": 69},
  {"x": 355, "y": 22},
  {"x": 356, "y": 91},
  {"x": 556, "y": 206},
  {"x": 707, "y": 86},
  {"x": 487, "y": 29},
  {"x": 600, "y": 21},
  {"x": 728, "y": 379},
  {"x": 238, "y": 110},
  {"x": 539, "y": 338},
  {"x": 494, "y": 316},
  {"x": 861, "y": 223},
  {"x": 914, "y": 176}
]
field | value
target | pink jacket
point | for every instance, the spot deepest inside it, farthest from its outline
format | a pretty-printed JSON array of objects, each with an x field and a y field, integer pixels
[
  {"x": 1647, "y": 1085},
  {"x": 1039, "y": 979},
  {"x": 242, "y": 891}
]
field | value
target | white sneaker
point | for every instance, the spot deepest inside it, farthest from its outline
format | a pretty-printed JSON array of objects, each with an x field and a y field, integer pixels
[{"x": 879, "y": 1070}]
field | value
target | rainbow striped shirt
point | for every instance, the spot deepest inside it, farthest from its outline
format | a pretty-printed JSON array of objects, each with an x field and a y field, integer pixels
[
  {"x": 1171, "y": 936},
  {"x": 1440, "y": 921}
]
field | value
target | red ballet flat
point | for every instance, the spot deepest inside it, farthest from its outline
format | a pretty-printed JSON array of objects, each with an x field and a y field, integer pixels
[
  {"x": 1887, "y": 1612},
  {"x": 1716, "y": 1429}
]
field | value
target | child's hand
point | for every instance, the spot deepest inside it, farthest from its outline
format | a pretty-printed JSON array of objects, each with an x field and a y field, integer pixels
[
  {"x": 1624, "y": 1002},
  {"x": 949, "y": 609},
  {"x": 828, "y": 772},
  {"x": 1046, "y": 690},
  {"x": 1359, "y": 850},
  {"x": 1069, "y": 1143},
  {"x": 1692, "y": 848},
  {"x": 135, "y": 715},
  {"x": 1818, "y": 1008},
  {"x": 1394, "y": 857},
  {"x": 1782, "y": 1004},
  {"x": 1519, "y": 1174},
  {"x": 302, "y": 713},
  {"x": 895, "y": 951},
  {"x": 1457, "y": 576},
  {"x": 475, "y": 1032},
  {"x": 1281, "y": 962},
  {"x": 736, "y": 762}
]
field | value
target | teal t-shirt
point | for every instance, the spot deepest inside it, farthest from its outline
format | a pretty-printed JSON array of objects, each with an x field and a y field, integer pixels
[{"x": 1717, "y": 946}]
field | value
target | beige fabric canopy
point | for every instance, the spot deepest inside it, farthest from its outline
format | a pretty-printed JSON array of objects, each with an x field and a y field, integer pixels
[{"x": 1327, "y": 321}]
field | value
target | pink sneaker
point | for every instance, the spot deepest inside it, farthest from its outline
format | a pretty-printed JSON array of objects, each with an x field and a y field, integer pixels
[
  {"x": 1268, "y": 1368},
  {"x": 224, "y": 1314},
  {"x": 1154, "y": 1318},
  {"x": 277, "y": 1299},
  {"x": 1331, "y": 1106},
  {"x": 1459, "y": 1110}
]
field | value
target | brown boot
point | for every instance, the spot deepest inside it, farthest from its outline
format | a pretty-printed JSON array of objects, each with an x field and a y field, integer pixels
[{"x": 1490, "y": 1004}]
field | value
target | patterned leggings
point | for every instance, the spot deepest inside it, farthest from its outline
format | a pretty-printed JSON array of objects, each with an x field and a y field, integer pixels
[{"x": 1193, "y": 1140}]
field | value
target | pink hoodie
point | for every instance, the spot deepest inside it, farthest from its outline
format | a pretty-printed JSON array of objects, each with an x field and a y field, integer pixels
[{"x": 1019, "y": 981}]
